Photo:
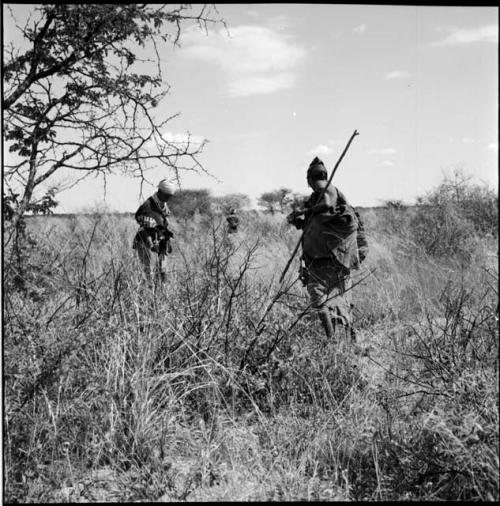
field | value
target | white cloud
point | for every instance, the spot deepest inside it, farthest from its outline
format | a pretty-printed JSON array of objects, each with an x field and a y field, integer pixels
[
  {"x": 386, "y": 163},
  {"x": 249, "y": 55},
  {"x": 460, "y": 36},
  {"x": 398, "y": 74},
  {"x": 493, "y": 146},
  {"x": 467, "y": 140},
  {"x": 382, "y": 151},
  {"x": 183, "y": 139},
  {"x": 257, "y": 85},
  {"x": 321, "y": 149},
  {"x": 360, "y": 29}
]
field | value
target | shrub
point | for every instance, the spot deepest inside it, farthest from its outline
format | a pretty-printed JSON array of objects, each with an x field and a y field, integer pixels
[
  {"x": 445, "y": 449},
  {"x": 186, "y": 203},
  {"x": 450, "y": 219},
  {"x": 220, "y": 381}
]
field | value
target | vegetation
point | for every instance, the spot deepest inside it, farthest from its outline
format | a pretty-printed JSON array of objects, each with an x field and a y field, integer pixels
[
  {"x": 220, "y": 385},
  {"x": 236, "y": 201},
  {"x": 275, "y": 201},
  {"x": 186, "y": 203},
  {"x": 461, "y": 212},
  {"x": 81, "y": 69}
]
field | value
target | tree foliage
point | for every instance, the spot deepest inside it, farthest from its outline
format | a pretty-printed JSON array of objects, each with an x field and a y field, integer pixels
[
  {"x": 296, "y": 201},
  {"x": 450, "y": 219},
  {"x": 75, "y": 100},
  {"x": 236, "y": 201},
  {"x": 275, "y": 201},
  {"x": 394, "y": 204},
  {"x": 186, "y": 203},
  {"x": 44, "y": 206}
]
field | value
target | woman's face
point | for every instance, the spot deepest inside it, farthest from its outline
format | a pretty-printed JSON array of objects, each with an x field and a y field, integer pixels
[
  {"x": 316, "y": 184},
  {"x": 164, "y": 197}
]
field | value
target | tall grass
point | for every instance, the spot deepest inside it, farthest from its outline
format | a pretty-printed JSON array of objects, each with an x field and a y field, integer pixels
[{"x": 220, "y": 385}]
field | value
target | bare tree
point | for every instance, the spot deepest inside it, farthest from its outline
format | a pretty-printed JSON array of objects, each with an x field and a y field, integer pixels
[{"x": 73, "y": 101}]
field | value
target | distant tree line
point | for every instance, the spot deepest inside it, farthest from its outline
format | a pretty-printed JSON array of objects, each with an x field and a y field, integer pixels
[
  {"x": 281, "y": 200},
  {"x": 188, "y": 202}
]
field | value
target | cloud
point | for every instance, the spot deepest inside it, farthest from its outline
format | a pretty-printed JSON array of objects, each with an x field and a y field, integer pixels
[
  {"x": 386, "y": 163},
  {"x": 258, "y": 85},
  {"x": 467, "y": 140},
  {"x": 321, "y": 149},
  {"x": 398, "y": 74},
  {"x": 462, "y": 36},
  {"x": 382, "y": 151},
  {"x": 324, "y": 149},
  {"x": 360, "y": 29},
  {"x": 493, "y": 146},
  {"x": 249, "y": 55},
  {"x": 181, "y": 139}
]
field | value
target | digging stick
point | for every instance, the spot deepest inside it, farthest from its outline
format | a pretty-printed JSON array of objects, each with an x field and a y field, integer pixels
[{"x": 319, "y": 199}]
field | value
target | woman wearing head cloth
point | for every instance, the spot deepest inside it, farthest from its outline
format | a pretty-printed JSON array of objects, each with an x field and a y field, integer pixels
[{"x": 152, "y": 240}]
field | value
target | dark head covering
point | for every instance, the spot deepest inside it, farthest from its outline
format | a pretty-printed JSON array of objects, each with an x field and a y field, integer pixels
[{"x": 316, "y": 166}]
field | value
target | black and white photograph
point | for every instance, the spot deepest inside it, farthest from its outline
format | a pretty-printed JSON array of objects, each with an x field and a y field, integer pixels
[{"x": 249, "y": 253}]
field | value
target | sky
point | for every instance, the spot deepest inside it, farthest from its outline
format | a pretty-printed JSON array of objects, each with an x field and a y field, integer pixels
[{"x": 288, "y": 82}]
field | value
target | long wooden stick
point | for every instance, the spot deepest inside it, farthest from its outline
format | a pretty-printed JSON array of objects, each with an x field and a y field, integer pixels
[{"x": 319, "y": 199}]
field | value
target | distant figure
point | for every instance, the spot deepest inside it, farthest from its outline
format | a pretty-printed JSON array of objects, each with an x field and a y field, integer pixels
[
  {"x": 232, "y": 222},
  {"x": 152, "y": 240},
  {"x": 8, "y": 211},
  {"x": 329, "y": 252}
]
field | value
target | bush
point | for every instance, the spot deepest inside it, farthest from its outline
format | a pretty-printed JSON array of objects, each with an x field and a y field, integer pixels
[
  {"x": 220, "y": 383},
  {"x": 186, "y": 203},
  {"x": 451, "y": 219},
  {"x": 446, "y": 449}
]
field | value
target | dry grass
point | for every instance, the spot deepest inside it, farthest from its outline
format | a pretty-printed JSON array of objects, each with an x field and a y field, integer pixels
[{"x": 216, "y": 387}]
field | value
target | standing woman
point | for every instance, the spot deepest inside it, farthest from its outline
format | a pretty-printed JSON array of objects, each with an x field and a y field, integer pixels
[{"x": 152, "y": 240}]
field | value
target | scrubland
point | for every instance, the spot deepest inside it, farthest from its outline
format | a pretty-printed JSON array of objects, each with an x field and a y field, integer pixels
[{"x": 220, "y": 385}]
